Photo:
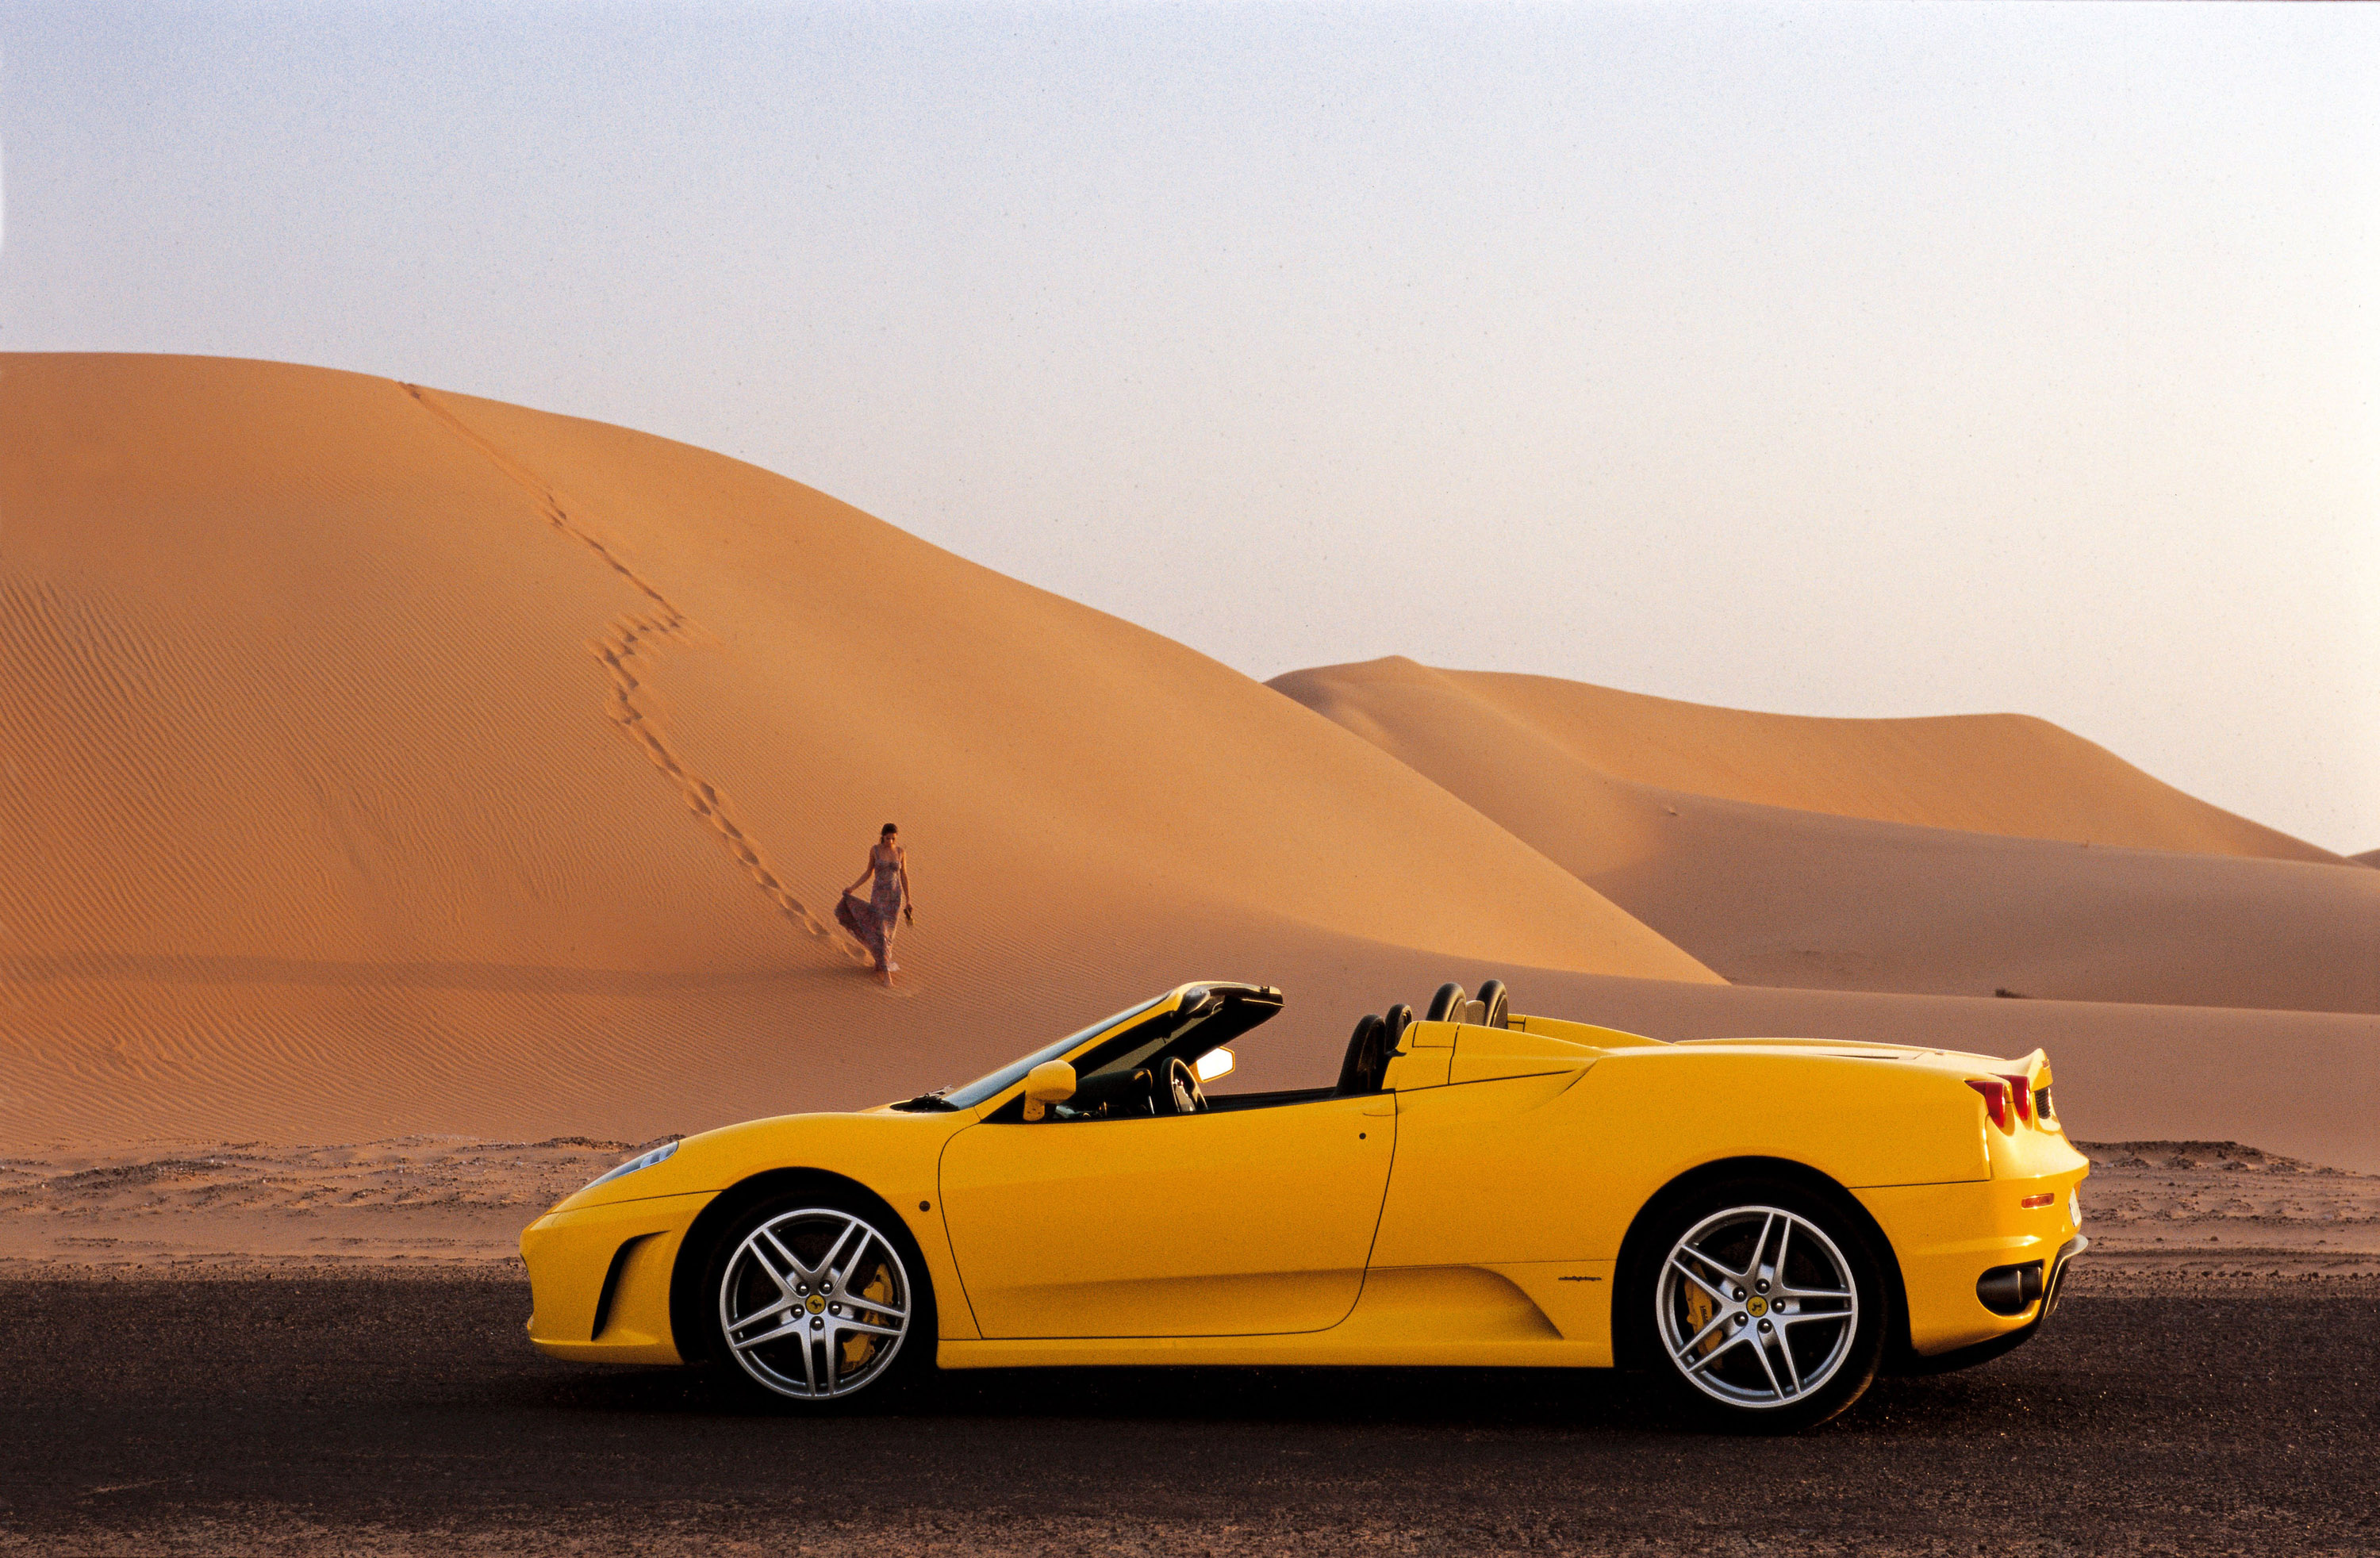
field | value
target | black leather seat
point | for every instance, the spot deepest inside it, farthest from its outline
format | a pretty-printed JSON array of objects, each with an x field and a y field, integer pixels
[
  {"x": 1450, "y": 1003},
  {"x": 1366, "y": 1066},
  {"x": 1498, "y": 1007}
]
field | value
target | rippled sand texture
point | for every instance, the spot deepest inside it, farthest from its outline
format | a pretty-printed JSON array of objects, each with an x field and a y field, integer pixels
[{"x": 382, "y": 759}]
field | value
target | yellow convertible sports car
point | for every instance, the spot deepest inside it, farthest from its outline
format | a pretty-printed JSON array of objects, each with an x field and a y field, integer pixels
[{"x": 1762, "y": 1224}]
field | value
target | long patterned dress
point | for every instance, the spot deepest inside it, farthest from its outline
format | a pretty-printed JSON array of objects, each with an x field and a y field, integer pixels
[{"x": 876, "y": 921}]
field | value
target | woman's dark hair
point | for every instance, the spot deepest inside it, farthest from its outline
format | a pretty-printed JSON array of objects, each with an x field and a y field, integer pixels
[{"x": 888, "y": 828}]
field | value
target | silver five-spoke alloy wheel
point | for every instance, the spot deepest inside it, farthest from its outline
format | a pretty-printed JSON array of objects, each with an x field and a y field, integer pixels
[
  {"x": 815, "y": 1303},
  {"x": 1756, "y": 1307}
]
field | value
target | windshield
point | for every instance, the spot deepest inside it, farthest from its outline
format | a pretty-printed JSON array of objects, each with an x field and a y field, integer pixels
[{"x": 982, "y": 1088}]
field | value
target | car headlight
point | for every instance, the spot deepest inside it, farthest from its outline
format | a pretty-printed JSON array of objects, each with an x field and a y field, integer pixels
[{"x": 632, "y": 1166}]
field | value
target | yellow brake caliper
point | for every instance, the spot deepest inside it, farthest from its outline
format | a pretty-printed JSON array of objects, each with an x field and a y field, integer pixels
[
  {"x": 1700, "y": 1309},
  {"x": 857, "y": 1350}
]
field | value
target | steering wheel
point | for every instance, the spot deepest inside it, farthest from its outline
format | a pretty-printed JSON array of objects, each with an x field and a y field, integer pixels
[{"x": 1177, "y": 1090}]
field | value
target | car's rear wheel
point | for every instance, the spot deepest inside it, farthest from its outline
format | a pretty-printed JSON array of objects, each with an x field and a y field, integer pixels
[
  {"x": 815, "y": 1300},
  {"x": 1761, "y": 1307}
]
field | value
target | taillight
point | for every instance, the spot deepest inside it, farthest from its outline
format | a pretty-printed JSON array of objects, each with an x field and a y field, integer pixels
[
  {"x": 1996, "y": 1098},
  {"x": 2021, "y": 1092}
]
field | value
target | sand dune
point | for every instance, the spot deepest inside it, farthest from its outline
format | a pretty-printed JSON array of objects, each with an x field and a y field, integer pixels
[
  {"x": 1828, "y": 897},
  {"x": 1776, "y": 898},
  {"x": 381, "y": 758},
  {"x": 1993, "y": 774},
  {"x": 385, "y": 762}
]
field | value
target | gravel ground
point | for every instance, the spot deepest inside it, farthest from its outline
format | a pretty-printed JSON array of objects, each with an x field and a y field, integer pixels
[{"x": 2159, "y": 1413}]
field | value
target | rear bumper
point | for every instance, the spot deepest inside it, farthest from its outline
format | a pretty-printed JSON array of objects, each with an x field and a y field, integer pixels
[
  {"x": 1947, "y": 1237},
  {"x": 600, "y": 1278},
  {"x": 2065, "y": 1258},
  {"x": 1998, "y": 1347}
]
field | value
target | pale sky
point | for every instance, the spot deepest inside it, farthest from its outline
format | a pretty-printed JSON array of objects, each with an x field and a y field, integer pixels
[{"x": 1876, "y": 360}]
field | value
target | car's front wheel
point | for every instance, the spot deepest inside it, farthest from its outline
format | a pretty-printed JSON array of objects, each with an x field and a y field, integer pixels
[
  {"x": 814, "y": 1299},
  {"x": 1760, "y": 1306}
]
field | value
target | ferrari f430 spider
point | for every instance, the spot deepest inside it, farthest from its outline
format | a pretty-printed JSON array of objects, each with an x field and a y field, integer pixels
[{"x": 1764, "y": 1224}]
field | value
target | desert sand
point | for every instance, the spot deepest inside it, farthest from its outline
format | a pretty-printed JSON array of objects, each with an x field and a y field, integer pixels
[
  {"x": 1996, "y": 774},
  {"x": 383, "y": 760},
  {"x": 470, "y": 786},
  {"x": 1970, "y": 856}
]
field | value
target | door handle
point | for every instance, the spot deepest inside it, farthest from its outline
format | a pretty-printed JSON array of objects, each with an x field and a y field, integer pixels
[{"x": 1386, "y": 1106}]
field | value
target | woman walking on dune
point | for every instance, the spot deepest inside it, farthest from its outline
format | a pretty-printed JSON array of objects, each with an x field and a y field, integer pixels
[{"x": 875, "y": 918}]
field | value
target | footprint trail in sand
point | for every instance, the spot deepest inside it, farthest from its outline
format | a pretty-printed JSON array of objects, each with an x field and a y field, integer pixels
[{"x": 628, "y": 637}]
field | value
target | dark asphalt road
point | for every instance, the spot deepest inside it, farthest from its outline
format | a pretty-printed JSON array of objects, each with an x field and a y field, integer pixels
[{"x": 407, "y": 1415}]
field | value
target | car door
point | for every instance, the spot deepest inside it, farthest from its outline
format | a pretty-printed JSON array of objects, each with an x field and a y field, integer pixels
[{"x": 1231, "y": 1223}]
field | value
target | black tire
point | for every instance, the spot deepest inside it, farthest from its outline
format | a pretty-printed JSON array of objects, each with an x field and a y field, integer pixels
[
  {"x": 1447, "y": 1005},
  {"x": 839, "y": 1346},
  {"x": 1733, "y": 1353},
  {"x": 1393, "y": 1023}
]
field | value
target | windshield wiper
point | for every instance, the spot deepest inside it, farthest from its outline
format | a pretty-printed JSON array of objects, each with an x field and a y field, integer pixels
[{"x": 926, "y": 1104}]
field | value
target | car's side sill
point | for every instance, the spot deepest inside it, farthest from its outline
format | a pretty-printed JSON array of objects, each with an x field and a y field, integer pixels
[
  {"x": 1317, "y": 1349},
  {"x": 1542, "y": 1314}
]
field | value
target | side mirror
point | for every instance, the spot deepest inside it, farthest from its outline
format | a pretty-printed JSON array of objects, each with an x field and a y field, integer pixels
[
  {"x": 1051, "y": 1082},
  {"x": 1214, "y": 1064}
]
